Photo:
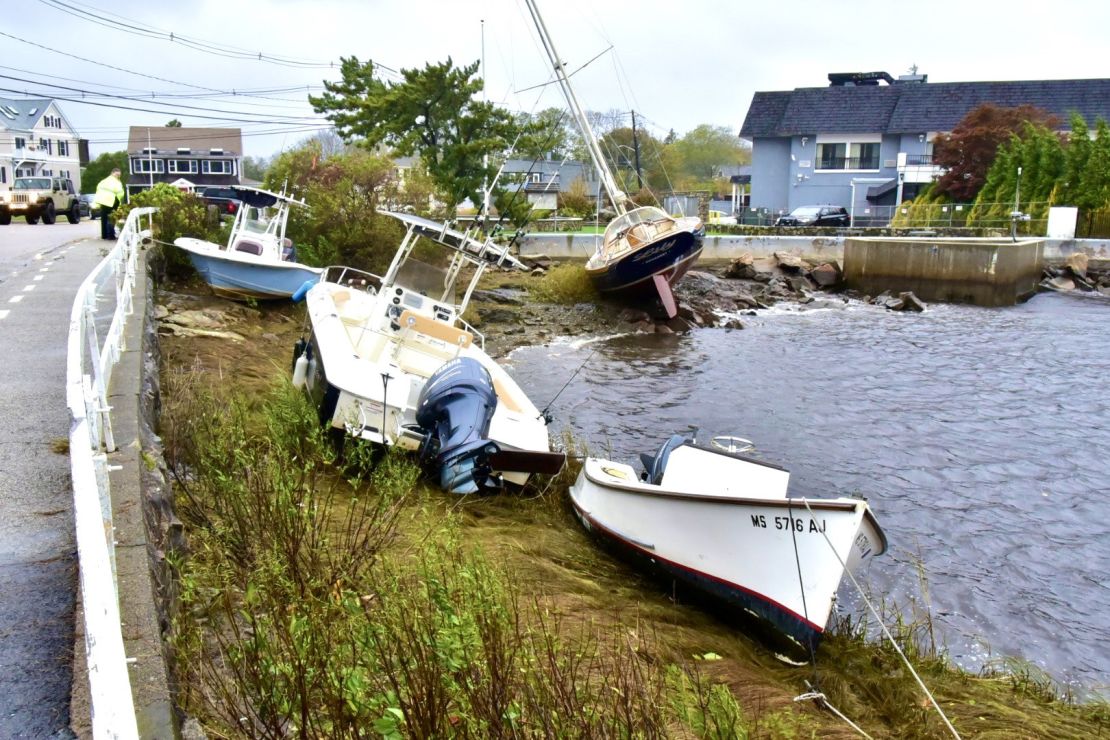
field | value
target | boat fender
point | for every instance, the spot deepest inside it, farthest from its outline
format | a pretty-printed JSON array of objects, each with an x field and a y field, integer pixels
[
  {"x": 300, "y": 366},
  {"x": 303, "y": 290},
  {"x": 298, "y": 350}
]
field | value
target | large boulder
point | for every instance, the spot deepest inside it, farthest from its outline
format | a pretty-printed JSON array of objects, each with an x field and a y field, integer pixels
[
  {"x": 1059, "y": 284},
  {"x": 910, "y": 302},
  {"x": 741, "y": 268},
  {"x": 788, "y": 261},
  {"x": 1077, "y": 264},
  {"x": 825, "y": 275}
]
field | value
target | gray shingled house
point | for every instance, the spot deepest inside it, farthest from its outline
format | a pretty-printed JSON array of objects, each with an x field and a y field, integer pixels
[
  {"x": 187, "y": 158},
  {"x": 867, "y": 146}
]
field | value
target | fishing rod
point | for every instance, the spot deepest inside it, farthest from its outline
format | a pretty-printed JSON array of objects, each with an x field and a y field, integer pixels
[{"x": 572, "y": 377}]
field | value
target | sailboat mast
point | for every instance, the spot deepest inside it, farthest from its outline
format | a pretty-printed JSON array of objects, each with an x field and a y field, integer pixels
[{"x": 607, "y": 180}]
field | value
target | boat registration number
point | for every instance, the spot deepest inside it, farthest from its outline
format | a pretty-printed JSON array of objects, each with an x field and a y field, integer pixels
[{"x": 786, "y": 523}]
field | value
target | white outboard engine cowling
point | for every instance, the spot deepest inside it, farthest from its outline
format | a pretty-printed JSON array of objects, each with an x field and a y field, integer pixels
[{"x": 454, "y": 412}]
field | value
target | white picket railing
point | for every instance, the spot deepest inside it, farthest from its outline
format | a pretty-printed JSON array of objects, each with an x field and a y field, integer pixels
[{"x": 88, "y": 374}]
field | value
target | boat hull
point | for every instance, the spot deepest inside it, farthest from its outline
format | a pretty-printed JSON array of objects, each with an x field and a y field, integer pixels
[
  {"x": 235, "y": 275},
  {"x": 366, "y": 374},
  {"x": 749, "y": 554},
  {"x": 631, "y": 276}
]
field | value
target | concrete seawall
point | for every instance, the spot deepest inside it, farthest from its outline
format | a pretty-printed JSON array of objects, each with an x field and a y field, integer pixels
[
  {"x": 817, "y": 248},
  {"x": 984, "y": 272}
]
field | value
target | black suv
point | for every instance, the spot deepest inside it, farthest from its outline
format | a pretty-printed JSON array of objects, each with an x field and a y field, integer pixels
[
  {"x": 815, "y": 216},
  {"x": 225, "y": 200}
]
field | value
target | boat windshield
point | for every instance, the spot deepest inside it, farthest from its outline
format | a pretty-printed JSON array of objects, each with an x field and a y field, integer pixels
[
  {"x": 257, "y": 220},
  {"x": 427, "y": 280},
  {"x": 646, "y": 214}
]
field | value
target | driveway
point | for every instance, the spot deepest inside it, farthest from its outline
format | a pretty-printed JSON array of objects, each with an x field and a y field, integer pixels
[{"x": 41, "y": 268}]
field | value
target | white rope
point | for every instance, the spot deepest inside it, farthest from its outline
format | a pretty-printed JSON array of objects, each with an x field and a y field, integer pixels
[
  {"x": 823, "y": 702},
  {"x": 886, "y": 632}
]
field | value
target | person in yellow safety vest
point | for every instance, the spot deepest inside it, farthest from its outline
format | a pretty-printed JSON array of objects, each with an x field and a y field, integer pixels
[{"x": 109, "y": 194}]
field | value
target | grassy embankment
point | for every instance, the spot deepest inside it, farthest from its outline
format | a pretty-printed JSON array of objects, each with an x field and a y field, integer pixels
[{"x": 324, "y": 597}]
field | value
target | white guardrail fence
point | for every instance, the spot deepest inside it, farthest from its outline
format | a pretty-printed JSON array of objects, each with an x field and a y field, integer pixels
[{"x": 88, "y": 373}]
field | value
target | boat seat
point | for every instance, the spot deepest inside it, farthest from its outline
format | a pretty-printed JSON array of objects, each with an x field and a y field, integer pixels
[
  {"x": 249, "y": 247},
  {"x": 456, "y": 338}
]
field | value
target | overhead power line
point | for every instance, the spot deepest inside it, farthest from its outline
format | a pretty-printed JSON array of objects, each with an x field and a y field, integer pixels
[
  {"x": 271, "y": 132},
  {"x": 175, "y": 107},
  {"x": 83, "y": 101},
  {"x": 253, "y": 92},
  {"x": 138, "y": 28}
]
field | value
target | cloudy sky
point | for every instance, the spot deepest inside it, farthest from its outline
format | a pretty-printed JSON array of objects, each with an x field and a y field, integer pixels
[{"x": 677, "y": 64}]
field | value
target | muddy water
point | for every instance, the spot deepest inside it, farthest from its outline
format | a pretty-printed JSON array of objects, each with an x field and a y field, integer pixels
[{"x": 980, "y": 436}]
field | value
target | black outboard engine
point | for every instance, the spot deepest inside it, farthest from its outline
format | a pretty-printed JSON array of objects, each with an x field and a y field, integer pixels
[{"x": 454, "y": 411}]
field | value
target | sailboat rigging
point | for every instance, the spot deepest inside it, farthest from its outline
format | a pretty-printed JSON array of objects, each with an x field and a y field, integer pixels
[{"x": 644, "y": 250}]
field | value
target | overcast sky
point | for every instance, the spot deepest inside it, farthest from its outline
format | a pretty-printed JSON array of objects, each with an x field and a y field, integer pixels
[{"x": 677, "y": 64}]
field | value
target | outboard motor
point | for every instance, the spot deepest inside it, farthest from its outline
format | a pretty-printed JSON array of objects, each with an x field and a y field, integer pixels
[{"x": 454, "y": 410}]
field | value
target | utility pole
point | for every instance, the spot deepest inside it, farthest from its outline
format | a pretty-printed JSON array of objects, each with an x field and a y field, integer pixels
[{"x": 636, "y": 153}]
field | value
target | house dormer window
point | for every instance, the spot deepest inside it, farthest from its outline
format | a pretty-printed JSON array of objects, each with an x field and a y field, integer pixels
[
  {"x": 149, "y": 150},
  {"x": 184, "y": 150},
  {"x": 216, "y": 152}
]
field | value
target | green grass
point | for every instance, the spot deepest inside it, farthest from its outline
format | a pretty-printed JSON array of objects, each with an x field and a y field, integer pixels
[
  {"x": 566, "y": 283},
  {"x": 339, "y": 596}
]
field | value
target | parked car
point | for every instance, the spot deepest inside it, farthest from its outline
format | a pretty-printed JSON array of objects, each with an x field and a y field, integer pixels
[
  {"x": 721, "y": 218},
  {"x": 815, "y": 216},
  {"x": 44, "y": 198},
  {"x": 89, "y": 209},
  {"x": 225, "y": 200}
]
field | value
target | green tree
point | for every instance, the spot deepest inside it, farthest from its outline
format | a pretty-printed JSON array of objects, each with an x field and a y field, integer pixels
[
  {"x": 101, "y": 167},
  {"x": 343, "y": 192},
  {"x": 1075, "y": 161},
  {"x": 549, "y": 134},
  {"x": 432, "y": 114},
  {"x": 969, "y": 151},
  {"x": 1094, "y": 184},
  {"x": 707, "y": 148},
  {"x": 173, "y": 123},
  {"x": 254, "y": 168}
]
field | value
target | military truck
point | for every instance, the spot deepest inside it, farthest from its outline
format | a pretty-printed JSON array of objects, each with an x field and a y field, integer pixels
[{"x": 44, "y": 198}]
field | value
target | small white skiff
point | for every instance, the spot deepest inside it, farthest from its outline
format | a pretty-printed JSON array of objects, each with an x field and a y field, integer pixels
[{"x": 722, "y": 522}]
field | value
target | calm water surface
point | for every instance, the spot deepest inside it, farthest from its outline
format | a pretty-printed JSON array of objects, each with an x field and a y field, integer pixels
[{"x": 980, "y": 436}]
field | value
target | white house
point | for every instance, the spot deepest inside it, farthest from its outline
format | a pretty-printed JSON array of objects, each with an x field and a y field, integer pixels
[{"x": 36, "y": 139}]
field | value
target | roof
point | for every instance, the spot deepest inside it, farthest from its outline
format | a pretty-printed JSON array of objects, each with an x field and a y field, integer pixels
[
  {"x": 914, "y": 107},
  {"x": 17, "y": 114},
  {"x": 169, "y": 139}
]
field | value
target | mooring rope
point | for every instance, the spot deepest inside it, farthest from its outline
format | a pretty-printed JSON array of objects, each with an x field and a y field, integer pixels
[
  {"x": 886, "y": 631},
  {"x": 823, "y": 701}
]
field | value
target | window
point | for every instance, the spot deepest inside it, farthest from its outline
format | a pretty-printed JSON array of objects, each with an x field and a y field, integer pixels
[
  {"x": 183, "y": 150},
  {"x": 149, "y": 150},
  {"x": 536, "y": 177},
  {"x": 183, "y": 166},
  {"x": 218, "y": 167},
  {"x": 216, "y": 151},
  {"x": 63, "y": 148},
  {"x": 49, "y": 145},
  {"x": 843, "y": 154},
  {"x": 142, "y": 165},
  {"x": 20, "y": 142},
  {"x": 3, "y": 174}
]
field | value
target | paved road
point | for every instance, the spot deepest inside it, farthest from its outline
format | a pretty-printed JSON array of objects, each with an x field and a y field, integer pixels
[{"x": 40, "y": 269}]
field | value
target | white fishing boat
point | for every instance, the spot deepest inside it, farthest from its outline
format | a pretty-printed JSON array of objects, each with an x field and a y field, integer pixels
[
  {"x": 721, "y": 521},
  {"x": 644, "y": 250},
  {"x": 390, "y": 360},
  {"x": 258, "y": 260}
]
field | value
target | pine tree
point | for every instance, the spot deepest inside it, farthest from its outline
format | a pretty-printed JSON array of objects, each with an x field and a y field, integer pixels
[{"x": 1075, "y": 161}]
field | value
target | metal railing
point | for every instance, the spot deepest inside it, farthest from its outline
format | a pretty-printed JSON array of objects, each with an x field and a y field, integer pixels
[
  {"x": 848, "y": 163},
  {"x": 88, "y": 374}
]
